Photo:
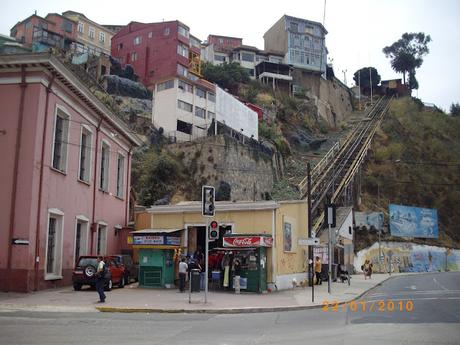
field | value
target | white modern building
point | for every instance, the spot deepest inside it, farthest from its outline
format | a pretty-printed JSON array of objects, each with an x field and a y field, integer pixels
[{"x": 187, "y": 110}]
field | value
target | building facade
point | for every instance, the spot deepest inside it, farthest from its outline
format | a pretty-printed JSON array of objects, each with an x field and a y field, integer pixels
[
  {"x": 187, "y": 110},
  {"x": 66, "y": 177},
  {"x": 301, "y": 41},
  {"x": 158, "y": 51},
  {"x": 91, "y": 36},
  {"x": 40, "y": 34},
  {"x": 283, "y": 222}
]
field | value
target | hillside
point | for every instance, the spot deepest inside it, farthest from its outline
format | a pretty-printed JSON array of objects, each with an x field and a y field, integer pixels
[{"x": 415, "y": 160}]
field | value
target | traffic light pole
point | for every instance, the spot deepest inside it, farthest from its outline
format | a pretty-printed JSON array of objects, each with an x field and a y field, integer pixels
[{"x": 206, "y": 262}]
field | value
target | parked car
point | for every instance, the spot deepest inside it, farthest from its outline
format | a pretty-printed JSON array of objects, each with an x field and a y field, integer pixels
[
  {"x": 85, "y": 272},
  {"x": 131, "y": 269}
]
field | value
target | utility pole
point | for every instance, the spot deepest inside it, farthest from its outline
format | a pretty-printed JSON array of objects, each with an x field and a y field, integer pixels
[
  {"x": 370, "y": 79},
  {"x": 310, "y": 248},
  {"x": 359, "y": 85},
  {"x": 344, "y": 76}
]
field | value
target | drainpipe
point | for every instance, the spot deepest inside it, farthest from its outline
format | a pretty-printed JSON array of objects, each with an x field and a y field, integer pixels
[
  {"x": 128, "y": 170},
  {"x": 23, "y": 86},
  {"x": 40, "y": 187},
  {"x": 93, "y": 224}
]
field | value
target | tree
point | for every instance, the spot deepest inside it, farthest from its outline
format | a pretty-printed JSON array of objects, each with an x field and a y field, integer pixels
[
  {"x": 407, "y": 54},
  {"x": 364, "y": 75},
  {"x": 455, "y": 109},
  {"x": 227, "y": 75}
]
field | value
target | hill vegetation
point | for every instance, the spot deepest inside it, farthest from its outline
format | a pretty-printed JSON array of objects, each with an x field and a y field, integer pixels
[{"x": 415, "y": 160}]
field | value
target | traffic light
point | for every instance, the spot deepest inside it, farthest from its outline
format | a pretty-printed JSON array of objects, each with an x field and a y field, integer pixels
[
  {"x": 213, "y": 231},
  {"x": 208, "y": 197}
]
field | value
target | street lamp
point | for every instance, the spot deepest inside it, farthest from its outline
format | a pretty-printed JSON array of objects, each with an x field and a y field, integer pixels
[{"x": 370, "y": 79}]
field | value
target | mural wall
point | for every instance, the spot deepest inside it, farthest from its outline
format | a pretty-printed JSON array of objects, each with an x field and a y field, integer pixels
[
  {"x": 409, "y": 257},
  {"x": 408, "y": 221}
]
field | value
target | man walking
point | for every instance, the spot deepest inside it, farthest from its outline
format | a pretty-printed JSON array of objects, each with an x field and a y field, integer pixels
[
  {"x": 182, "y": 274},
  {"x": 319, "y": 281},
  {"x": 100, "y": 279}
]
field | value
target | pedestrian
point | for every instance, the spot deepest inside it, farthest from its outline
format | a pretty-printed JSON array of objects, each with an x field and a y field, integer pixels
[
  {"x": 367, "y": 269},
  {"x": 318, "y": 267},
  {"x": 100, "y": 279},
  {"x": 183, "y": 267}
]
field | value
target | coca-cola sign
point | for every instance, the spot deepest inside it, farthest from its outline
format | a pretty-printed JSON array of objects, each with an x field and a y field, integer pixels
[{"x": 247, "y": 241}]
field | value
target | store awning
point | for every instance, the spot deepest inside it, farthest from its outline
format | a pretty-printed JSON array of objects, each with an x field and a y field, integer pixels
[{"x": 154, "y": 231}]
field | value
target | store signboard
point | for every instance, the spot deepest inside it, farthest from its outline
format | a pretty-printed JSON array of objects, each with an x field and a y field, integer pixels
[
  {"x": 173, "y": 241},
  {"x": 151, "y": 239},
  {"x": 156, "y": 240},
  {"x": 247, "y": 241}
]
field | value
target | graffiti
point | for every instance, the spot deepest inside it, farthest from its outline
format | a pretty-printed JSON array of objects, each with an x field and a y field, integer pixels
[{"x": 409, "y": 257}]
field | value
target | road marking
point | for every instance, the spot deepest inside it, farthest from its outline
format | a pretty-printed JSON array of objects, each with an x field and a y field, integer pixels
[
  {"x": 439, "y": 284},
  {"x": 417, "y": 298}
]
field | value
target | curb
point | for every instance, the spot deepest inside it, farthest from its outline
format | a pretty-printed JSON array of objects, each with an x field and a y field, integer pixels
[{"x": 235, "y": 310}]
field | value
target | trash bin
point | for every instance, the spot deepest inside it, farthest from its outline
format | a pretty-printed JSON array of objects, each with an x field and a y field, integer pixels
[{"x": 195, "y": 280}]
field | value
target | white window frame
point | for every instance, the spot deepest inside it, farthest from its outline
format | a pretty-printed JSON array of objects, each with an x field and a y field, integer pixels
[
  {"x": 101, "y": 226},
  {"x": 102, "y": 36},
  {"x": 134, "y": 56},
  {"x": 119, "y": 192},
  {"x": 89, "y": 154},
  {"x": 91, "y": 32},
  {"x": 59, "y": 230},
  {"x": 83, "y": 238},
  {"x": 137, "y": 40},
  {"x": 182, "y": 50},
  {"x": 64, "y": 114},
  {"x": 105, "y": 186},
  {"x": 81, "y": 27}
]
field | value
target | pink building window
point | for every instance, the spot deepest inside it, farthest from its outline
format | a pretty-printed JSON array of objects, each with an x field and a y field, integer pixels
[{"x": 60, "y": 140}]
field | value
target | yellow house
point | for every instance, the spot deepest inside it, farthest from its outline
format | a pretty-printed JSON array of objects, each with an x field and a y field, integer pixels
[
  {"x": 275, "y": 227},
  {"x": 94, "y": 37}
]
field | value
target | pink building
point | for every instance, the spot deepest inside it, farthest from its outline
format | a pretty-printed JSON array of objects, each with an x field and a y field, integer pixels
[{"x": 65, "y": 179}]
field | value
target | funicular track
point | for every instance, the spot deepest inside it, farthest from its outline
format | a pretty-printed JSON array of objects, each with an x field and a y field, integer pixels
[{"x": 331, "y": 177}]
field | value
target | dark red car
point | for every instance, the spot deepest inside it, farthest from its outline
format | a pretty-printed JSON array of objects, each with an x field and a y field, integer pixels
[{"x": 85, "y": 272}]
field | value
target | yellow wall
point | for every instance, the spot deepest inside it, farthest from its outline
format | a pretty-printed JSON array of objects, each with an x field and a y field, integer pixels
[
  {"x": 249, "y": 222},
  {"x": 84, "y": 38},
  {"x": 293, "y": 261}
]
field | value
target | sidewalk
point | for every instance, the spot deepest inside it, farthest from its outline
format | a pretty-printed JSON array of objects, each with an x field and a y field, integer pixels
[{"x": 135, "y": 299}]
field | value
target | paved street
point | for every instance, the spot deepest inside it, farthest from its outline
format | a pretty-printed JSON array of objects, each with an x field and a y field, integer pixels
[{"x": 434, "y": 319}]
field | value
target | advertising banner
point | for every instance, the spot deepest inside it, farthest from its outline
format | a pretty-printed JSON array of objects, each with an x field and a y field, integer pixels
[
  {"x": 369, "y": 220},
  {"x": 408, "y": 221},
  {"x": 247, "y": 241}
]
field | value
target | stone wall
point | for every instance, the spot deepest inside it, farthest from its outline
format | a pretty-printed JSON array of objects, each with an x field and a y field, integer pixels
[{"x": 223, "y": 161}]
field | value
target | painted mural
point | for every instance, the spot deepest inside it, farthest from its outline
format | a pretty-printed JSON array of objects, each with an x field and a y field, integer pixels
[{"x": 409, "y": 257}]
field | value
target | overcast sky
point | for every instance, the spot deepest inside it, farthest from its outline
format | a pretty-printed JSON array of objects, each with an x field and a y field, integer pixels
[{"x": 358, "y": 29}]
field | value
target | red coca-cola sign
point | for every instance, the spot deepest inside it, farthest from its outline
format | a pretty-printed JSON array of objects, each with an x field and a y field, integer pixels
[{"x": 247, "y": 241}]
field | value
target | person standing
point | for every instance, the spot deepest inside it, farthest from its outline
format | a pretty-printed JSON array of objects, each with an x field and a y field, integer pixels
[
  {"x": 318, "y": 266},
  {"x": 100, "y": 279},
  {"x": 182, "y": 274}
]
